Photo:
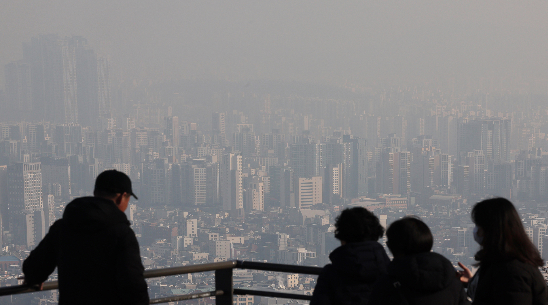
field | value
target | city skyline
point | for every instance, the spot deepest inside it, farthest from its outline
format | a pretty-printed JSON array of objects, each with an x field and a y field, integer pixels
[{"x": 246, "y": 128}]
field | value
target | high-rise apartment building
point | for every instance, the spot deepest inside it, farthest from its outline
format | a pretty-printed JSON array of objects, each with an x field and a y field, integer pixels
[
  {"x": 69, "y": 83},
  {"x": 332, "y": 184},
  {"x": 443, "y": 170},
  {"x": 157, "y": 183},
  {"x": 254, "y": 195},
  {"x": 25, "y": 187},
  {"x": 25, "y": 205},
  {"x": 231, "y": 180},
  {"x": 476, "y": 163},
  {"x": 491, "y": 135},
  {"x": 194, "y": 179},
  {"x": 402, "y": 172},
  {"x": 218, "y": 128}
]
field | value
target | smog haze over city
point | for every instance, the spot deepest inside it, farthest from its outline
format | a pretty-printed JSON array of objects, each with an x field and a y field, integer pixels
[{"x": 246, "y": 127}]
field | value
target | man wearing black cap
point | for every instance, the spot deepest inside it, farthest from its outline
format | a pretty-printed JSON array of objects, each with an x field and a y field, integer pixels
[{"x": 94, "y": 249}]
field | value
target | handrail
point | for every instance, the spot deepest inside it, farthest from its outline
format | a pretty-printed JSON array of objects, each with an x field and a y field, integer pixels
[
  {"x": 224, "y": 281},
  {"x": 189, "y": 269},
  {"x": 278, "y": 267}
]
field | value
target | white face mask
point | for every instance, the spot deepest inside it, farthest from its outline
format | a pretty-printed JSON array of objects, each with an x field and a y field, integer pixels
[{"x": 477, "y": 238}]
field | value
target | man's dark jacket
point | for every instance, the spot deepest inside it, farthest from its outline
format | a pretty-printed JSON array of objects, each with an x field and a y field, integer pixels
[
  {"x": 96, "y": 254},
  {"x": 425, "y": 278},
  {"x": 507, "y": 282},
  {"x": 354, "y": 270}
]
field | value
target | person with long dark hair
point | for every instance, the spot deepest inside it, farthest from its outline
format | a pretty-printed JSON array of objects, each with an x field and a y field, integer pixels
[
  {"x": 507, "y": 259},
  {"x": 357, "y": 264}
]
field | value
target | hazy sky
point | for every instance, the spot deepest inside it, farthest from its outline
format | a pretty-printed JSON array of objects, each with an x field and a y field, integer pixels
[{"x": 315, "y": 41}]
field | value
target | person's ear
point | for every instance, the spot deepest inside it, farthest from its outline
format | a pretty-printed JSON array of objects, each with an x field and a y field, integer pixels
[{"x": 118, "y": 198}]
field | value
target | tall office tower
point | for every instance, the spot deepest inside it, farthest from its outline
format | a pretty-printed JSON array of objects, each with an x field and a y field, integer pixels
[
  {"x": 308, "y": 192},
  {"x": 305, "y": 159},
  {"x": 402, "y": 172},
  {"x": 172, "y": 130},
  {"x": 69, "y": 83},
  {"x": 443, "y": 170},
  {"x": 18, "y": 91},
  {"x": 56, "y": 177},
  {"x": 69, "y": 50},
  {"x": 492, "y": 136},
  {"x": 46, "y": 60},
  {"x": 104, "y": 103},
  {"x": 218, "y": 128},
  {"x": 350, "y": 167},
  {"x": 85, "y": 80},
  {"x": 422, "y": 169},
  {"x": 332, "y": 184},
  {"x": 157, "y": 183},
  {"x": 25, "y": 206},
  {"x": 477, "y": 179},
  {"x": 254, "y": 195},
  {"x": 447, "y": 134},
  {"x": 231, "y": 180}
]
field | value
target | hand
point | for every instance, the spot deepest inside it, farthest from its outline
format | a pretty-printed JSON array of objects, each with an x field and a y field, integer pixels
[
  {"x": 465, "y": 275},
  {"x": 37, "y": 287}
]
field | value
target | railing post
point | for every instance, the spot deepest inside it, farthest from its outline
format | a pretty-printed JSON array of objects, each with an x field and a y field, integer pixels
[{"x": 224, "y": 281}]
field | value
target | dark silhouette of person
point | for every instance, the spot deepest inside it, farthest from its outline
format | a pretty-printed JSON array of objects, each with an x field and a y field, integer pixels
[
  {"x": 356, "y": 264},
  {"x": 94, "y": 249},
  {"x": 416, "y": 275},
  {"x": 508, "y": 261}
]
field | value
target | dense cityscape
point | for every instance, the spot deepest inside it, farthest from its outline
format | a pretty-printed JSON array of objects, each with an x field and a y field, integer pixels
[{"x": 257, "y": 171}]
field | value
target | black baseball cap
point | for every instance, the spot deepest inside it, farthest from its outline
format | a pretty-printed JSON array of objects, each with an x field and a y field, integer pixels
[{"x": 113, "y": 181}]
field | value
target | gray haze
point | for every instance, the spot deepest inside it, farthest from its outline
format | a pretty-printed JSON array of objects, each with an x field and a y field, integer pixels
[{"x": 358, "y": 42}]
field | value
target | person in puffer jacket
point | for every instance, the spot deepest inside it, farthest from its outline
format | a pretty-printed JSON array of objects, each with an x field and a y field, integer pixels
[
  {"x": 416, "y": 275},
  {"x": 356, "y": 264}
]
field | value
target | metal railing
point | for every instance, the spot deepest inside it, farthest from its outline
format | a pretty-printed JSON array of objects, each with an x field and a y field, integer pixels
[{"x": 223, "y": 291}]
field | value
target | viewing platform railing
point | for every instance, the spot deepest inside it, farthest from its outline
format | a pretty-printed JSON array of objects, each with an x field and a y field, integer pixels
[{"x": 224, "y": 289}]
